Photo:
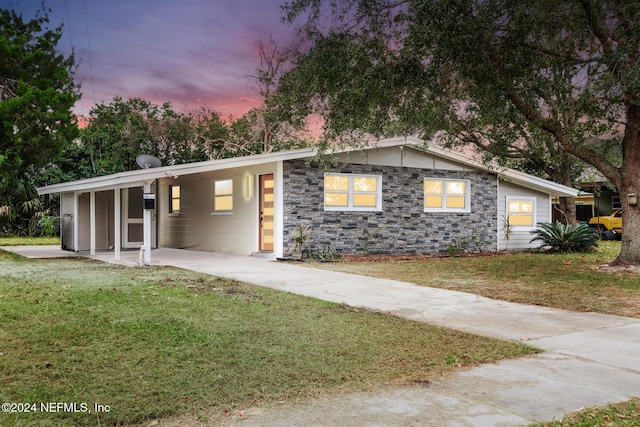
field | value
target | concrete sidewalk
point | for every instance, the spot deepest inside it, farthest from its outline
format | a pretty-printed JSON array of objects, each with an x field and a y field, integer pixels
[{"x": 590, "y": 359}]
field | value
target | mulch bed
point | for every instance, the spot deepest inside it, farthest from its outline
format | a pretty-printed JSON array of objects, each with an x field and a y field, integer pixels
[{"x": 382, "y": 258}]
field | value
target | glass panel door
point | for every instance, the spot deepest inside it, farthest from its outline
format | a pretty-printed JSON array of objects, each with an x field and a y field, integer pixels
[{"x": 266, "y": 214}]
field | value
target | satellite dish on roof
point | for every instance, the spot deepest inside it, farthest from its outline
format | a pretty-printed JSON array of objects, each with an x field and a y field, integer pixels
[{"x": 147, "y": 161}]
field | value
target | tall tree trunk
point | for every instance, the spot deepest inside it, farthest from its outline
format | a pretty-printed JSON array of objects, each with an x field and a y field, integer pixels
[
  {"x": 630, "y": 185},
  {"x": 567, "y": 210}
]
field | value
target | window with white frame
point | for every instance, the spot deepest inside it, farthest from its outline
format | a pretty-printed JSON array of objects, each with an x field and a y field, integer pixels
[
  {"x": 174, "y": 199},
  {"x": 521, "y": 211},
  {"x": 223, "y": 196},
  {"x": 352, "y": 192},
  {"x": 446, "y": 195}
]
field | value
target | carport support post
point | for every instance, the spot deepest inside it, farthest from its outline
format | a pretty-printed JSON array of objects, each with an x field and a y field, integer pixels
[
  {"x": 147, "y": 227},
  {"x": 76, "y": 222},
  {"x": 92, "y": 220},
  {"x": 117, "y": 215}
]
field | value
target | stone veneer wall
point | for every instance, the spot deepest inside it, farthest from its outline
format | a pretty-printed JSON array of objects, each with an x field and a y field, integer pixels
[{"x": 402, "y": 227}]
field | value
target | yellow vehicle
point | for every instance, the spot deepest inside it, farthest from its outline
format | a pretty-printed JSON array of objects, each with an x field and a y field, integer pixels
[{"x": 609, "y": 224}]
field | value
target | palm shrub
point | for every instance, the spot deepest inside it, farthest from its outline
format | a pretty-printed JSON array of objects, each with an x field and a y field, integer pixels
[{"x": 560, "y": 237}]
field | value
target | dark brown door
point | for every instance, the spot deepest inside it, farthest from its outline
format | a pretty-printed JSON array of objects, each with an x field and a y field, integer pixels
[{"x": 266, "y": 236}]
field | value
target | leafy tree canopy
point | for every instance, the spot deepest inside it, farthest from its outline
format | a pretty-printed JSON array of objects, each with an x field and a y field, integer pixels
[
  {"x": 501, "y": 74},
  {"x": 118, "y": 132},
  {"x": 37, "y": 92}
]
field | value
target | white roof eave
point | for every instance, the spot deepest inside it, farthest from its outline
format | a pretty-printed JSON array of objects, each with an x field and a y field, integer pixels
[{"x": 139, "y": 177}]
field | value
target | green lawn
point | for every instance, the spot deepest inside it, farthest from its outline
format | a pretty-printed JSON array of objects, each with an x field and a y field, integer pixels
[
  {"x": 20, "y": 241},
  {"x": 158, "y": 342},
  {"x": 625, "y": 414}
]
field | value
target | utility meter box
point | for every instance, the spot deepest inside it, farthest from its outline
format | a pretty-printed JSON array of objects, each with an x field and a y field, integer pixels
[{"x": 149, "y": 200}]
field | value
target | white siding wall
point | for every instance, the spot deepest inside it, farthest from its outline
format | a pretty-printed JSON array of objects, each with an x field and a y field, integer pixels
[
  {"x": 197, "y": 228},
  {"x": 520, "y": 236}
]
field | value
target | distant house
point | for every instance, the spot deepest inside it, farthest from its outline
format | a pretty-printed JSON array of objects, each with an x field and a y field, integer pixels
[
  {"x": 395, "y": 197},
  {"x": 598, "y": 198}
]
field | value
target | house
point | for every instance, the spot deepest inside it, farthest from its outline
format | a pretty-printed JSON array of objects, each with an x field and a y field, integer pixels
[
  {"x": 599, "y": 198},
  {"x": 394, "y": 197}
]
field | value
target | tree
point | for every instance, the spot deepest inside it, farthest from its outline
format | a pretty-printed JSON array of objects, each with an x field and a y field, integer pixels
[
  {"x": 37, "y": 92},
  {"x": 269, "y": 123},
  {"x": 117, "y": 133},
  {"x": 497, "y": 73}
]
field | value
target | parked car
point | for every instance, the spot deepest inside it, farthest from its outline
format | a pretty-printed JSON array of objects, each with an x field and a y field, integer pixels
[{"x": 610, "y": 226}]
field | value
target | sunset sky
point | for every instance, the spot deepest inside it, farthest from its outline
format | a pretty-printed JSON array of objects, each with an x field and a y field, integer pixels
[{"x": 191, "y": 53}]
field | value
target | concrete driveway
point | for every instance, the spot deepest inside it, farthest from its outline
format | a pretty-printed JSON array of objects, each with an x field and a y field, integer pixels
[{"x": 590, "y": 359}]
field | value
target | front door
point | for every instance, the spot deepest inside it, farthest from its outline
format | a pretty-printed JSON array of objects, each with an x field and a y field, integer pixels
[
  {"x": 133, "y": 233},
  {"x": 133, "y": 221},
  {"x": 266, "y": 214}
]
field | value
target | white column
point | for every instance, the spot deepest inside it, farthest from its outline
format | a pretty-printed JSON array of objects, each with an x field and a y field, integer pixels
[
  {"x": 147, "y": 228},
  {"x": 117, "y": 232},
  {"x": 76, "y": 231},
  {"x": 92, "y": 215}
]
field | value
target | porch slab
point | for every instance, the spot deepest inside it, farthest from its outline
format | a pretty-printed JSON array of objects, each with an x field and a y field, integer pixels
[{"x": 40, "y": 251}]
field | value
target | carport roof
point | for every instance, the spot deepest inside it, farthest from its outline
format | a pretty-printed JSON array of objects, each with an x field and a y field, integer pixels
[{"x": 142, "y": 176}]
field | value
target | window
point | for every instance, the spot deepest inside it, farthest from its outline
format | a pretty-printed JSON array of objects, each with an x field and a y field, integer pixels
[
  {"x": 344, "y": 192},
  {"x": 521, "y": 212},
  {"x": 223, "y": 196},
  {"x": 174, "y": 199},
  {"x": 615, "y": 202},
  {"x": 446, "y": 195}
]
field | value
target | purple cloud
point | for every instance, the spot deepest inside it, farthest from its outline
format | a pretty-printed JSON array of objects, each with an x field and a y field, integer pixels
[{"x": 191, "y": 53}]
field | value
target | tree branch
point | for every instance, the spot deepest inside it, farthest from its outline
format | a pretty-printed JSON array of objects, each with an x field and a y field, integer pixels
[
  {"x": 549, "y": 52},
  {"x": 604, "y": 37},
  {"x": 552, "y": 127}
]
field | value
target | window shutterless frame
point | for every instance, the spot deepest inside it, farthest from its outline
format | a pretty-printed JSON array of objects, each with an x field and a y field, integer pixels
[
  {"x": 222, "y": 196},
  {"x": 174, "y": 199},
  {"x": 352, "y": 192},
  {"x": 521, "y": 212},
  {"x": 446, "y": 195}
]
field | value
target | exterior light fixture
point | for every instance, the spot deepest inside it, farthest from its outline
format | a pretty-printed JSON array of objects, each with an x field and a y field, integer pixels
[{"x": 247, "y": 186}]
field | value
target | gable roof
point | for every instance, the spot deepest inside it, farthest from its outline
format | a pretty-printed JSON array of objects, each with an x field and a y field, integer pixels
[
  {"x": 142, "y": 176},
  {"x": 506, "y": 174}
]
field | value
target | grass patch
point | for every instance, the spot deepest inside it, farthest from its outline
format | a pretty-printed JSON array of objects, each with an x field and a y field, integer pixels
[
  {"x": 566, "y": 281},
  {"x": 625, "y": 414},
  {"x": 24, "y": 241},
  {"x": 159, "y": 342}
]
